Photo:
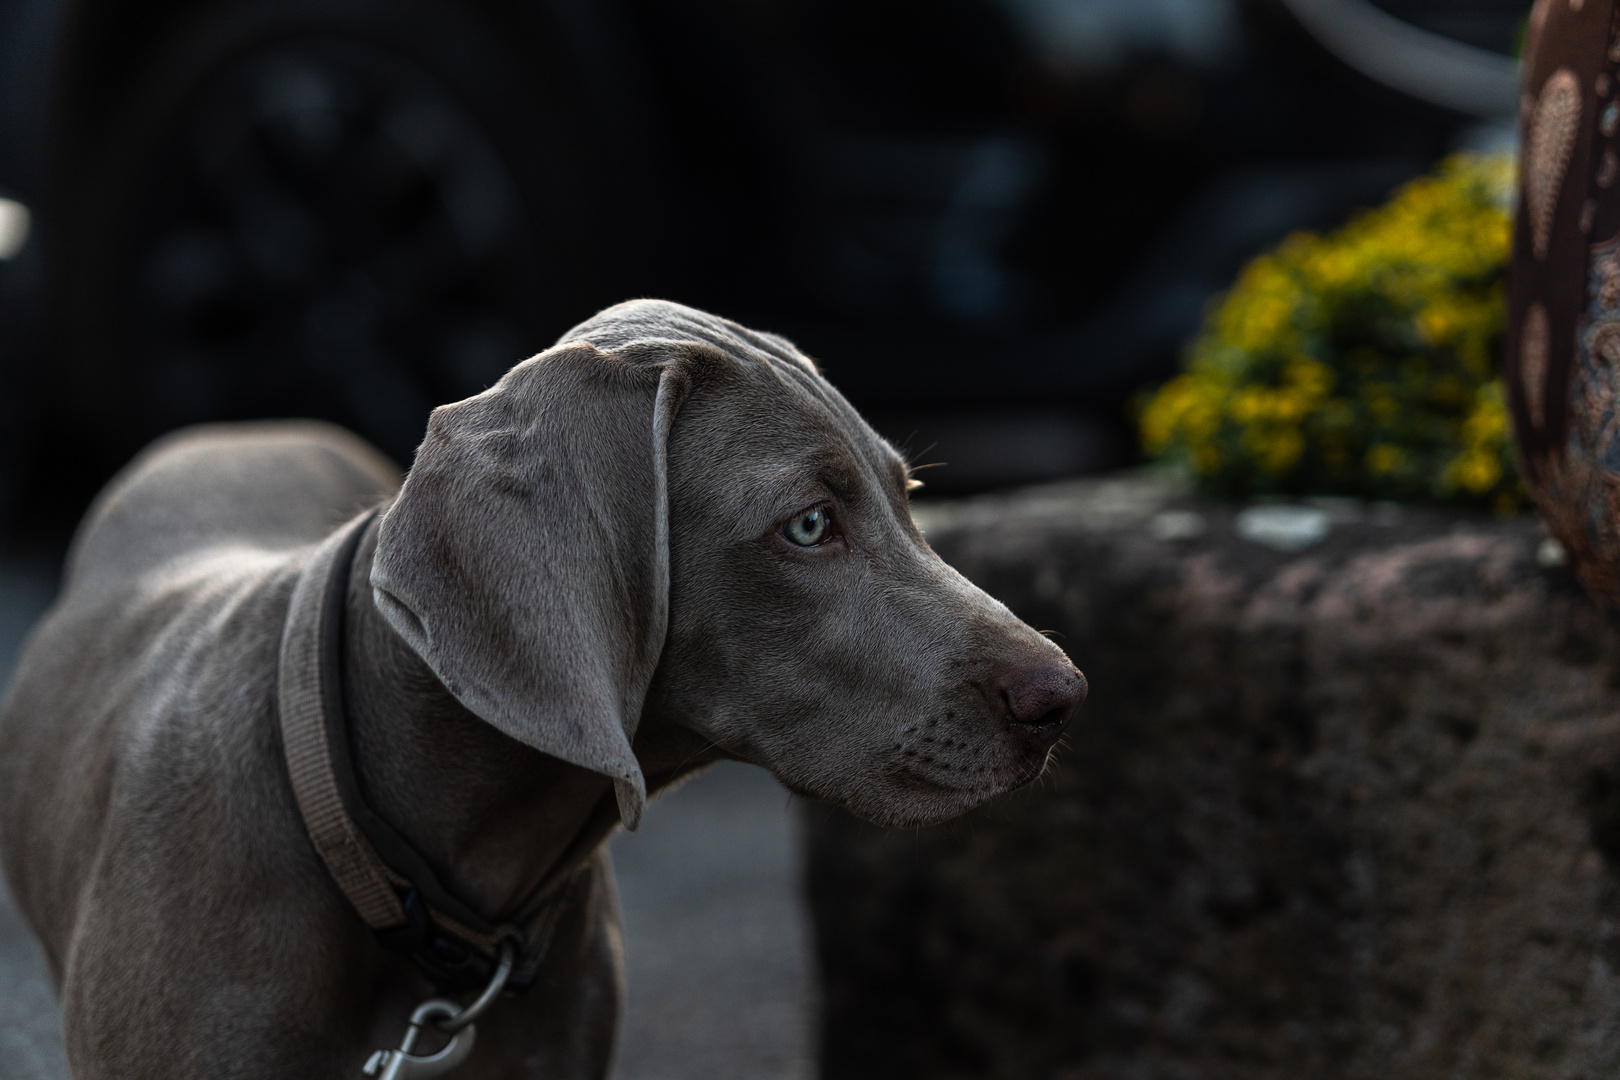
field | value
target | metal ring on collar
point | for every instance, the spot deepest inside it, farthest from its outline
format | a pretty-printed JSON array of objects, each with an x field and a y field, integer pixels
[
  {"x": 503, "y": 972},
  {"x": 402, "y": 1064}
]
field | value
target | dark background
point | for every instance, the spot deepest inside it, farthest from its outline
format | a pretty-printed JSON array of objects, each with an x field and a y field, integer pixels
[{"x": 992, "y": 221}]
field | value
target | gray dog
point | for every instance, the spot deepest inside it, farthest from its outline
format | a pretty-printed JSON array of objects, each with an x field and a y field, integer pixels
[{"x": 664, "y": 542}]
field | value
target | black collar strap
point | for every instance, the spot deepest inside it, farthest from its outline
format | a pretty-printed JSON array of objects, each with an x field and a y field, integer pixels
[{"x": 389, "y": 883}]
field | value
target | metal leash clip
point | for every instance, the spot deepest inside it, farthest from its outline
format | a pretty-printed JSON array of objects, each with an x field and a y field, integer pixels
[{"x": 452, "y": 1019}]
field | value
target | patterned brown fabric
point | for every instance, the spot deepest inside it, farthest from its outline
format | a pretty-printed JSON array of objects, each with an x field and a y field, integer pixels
[{"x": 1562, "y": 365}]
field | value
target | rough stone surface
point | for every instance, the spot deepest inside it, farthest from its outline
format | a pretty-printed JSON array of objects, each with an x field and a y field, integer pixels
[{"x": 1349, "y": 811}]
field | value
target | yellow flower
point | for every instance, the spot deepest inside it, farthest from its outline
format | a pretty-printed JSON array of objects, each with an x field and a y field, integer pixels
[
  {"x": 1312, "y": 376},
  {"x": 1384, "y": 458},
  {"x": 1361, "y": 361},
  {"x": 1283, "y": 450},
  {"x": 1475, "y": 470},
  {"x": 1248, "y": 405}
]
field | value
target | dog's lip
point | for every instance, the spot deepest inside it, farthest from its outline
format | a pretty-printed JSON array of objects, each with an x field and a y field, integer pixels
[
  {"x": 906, "y": 771},
  {"x": 1022, "y": 772},
  {"x": 989, "y": 784},
  {"x": 1036, "y": 734},
  {"x": 1030, "y": 747}
]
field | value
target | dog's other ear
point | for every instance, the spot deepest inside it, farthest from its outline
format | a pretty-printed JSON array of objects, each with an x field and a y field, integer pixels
[{"x": 526, "y": 559}]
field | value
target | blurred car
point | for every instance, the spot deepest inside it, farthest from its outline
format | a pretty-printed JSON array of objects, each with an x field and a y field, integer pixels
[{"x": 992, "y": 220}]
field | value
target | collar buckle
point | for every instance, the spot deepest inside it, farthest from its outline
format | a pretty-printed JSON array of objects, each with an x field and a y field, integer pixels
[{"x": 451, "y": 962}]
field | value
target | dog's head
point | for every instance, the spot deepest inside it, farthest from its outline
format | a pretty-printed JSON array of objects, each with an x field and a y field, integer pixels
[{"x": 670, "y": 515}]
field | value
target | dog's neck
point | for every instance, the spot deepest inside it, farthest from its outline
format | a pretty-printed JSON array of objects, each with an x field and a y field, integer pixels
[{"x": 493, "y": 817}]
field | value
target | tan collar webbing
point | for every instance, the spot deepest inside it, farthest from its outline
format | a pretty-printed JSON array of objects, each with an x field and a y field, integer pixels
[{"x": 399, "y": 897}]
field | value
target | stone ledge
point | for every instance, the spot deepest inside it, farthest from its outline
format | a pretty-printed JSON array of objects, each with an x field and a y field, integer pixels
[{"x": 1347, "y": 811}]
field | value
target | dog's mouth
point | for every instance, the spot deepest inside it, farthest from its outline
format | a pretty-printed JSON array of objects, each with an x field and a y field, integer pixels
[
  {"x": 978, "y": 782},
  {"x": 1026, "y": 771},
  {"x": 917, "y": 779},
  {"x": 962, "y": 764}
]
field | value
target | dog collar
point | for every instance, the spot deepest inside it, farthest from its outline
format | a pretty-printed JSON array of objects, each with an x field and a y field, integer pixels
[{"x": 387, "y": 880}]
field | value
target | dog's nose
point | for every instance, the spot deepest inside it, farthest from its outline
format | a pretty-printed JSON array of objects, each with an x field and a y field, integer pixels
[{"x": 1044, "y": 696}]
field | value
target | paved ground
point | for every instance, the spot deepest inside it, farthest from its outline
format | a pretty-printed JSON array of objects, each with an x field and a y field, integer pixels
[
  {"x": 718, "y": 950},
  {"x": 30, "y": 1030},
  {"x": 719, "y": 972}
]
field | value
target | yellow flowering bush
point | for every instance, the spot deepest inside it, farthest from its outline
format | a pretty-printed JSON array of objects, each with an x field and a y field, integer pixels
[{"x": 1362, "y": 362}]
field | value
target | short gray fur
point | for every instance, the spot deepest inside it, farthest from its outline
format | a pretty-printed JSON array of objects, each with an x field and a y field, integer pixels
[{"x": 583, "y": 591}]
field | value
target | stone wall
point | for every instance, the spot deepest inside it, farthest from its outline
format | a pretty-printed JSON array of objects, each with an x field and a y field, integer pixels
[{"x": 1348, "y": 810}]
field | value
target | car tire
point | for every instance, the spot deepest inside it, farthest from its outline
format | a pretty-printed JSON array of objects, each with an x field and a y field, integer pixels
[{"x": 350, "y": 209}]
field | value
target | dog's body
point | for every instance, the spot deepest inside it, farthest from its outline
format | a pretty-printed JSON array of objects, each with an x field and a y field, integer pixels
[{"x": 594, "y": 580}]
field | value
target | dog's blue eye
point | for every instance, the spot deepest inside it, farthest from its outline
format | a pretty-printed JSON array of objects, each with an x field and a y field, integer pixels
[{"x": 809, "y": 528}]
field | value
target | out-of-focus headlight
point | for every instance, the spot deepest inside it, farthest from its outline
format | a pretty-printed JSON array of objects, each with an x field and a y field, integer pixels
[{"x": 14, "y": 225}]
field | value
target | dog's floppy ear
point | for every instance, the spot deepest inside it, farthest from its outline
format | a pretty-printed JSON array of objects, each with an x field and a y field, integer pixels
[{"x": 526, "y": 559}]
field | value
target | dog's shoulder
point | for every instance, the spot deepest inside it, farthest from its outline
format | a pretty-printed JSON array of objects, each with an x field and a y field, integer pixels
[
  {"x": 269, "y": 487},
  {"x": 147, "y": 693},
  {"x": 148, "y": 698}
]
